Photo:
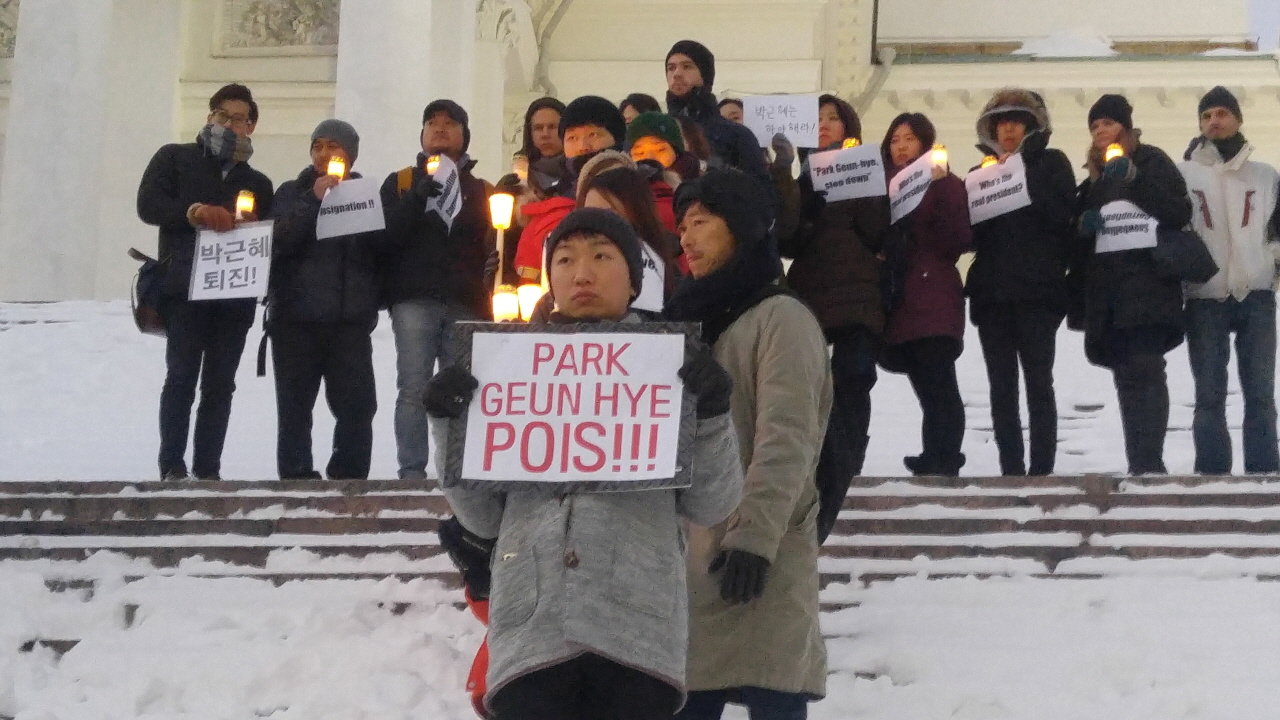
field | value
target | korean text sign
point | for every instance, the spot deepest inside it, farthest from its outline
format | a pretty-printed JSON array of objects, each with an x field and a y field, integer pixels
[
  {"x": 573, "y": 410},
  {"x": 795, "y": 116},
  {"x": 233, "y": 264}
]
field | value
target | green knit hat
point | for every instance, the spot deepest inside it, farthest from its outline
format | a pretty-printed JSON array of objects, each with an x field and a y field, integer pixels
[{"x": 656, "y": 124}]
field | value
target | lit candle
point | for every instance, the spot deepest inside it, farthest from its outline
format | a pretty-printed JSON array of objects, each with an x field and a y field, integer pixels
[
  {"x": 501, "y": 207},
  {"x": 1113, "y": 151},
  {"x": 244, "y": 204},
  {"x": 989, "y": 160},
  {"x": 433, "y": 164},
  {"x": 529, "y": 296},
  {"x": 851, "y": 143},
  {"x": 506, "y": 304},
  {"x": 337, "y": 167},
  {"x": 940, "y": 156}
]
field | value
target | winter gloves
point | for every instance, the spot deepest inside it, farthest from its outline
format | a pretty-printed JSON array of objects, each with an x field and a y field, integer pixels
[
  {"x": 744, "y": 575},
  {"x": 709, "y": 382},
  {"x": 470, "y": 553},
  {"x": 426, "y": 188},
  {"x": 784, "y": 153},
  {"x": 1119, "y": 170},
  {"x": 449, "y": 393},
  {"x": 1090, "y": 223}
]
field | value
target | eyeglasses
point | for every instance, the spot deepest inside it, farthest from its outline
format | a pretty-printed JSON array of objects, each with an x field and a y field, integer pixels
[{"x": 222, "y": 117}]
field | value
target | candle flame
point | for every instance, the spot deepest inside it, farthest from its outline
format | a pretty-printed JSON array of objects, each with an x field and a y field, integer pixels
[
  {"x": 851, "y": 143},
  {"x": 433, "y": 164},
  {"x": 989, "y": 160},
  {"x": 1113, "y": 151},
  {"x": 337, "y": 167},
  {"x": 506, "y": 304},
  {"x": 529, "y": 296},
  {"x": 244, "y": 203},
  {"x": 940, "y": 155}
]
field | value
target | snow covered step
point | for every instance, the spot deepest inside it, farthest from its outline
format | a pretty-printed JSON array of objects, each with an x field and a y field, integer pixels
[
  {"x": 1103, "y": 524},
  {"x": 202, "y": 526},
  {"x": 219, "y": 505},
  {"x": 1049, "y": 502},
  {"x": 170, "y": 551},
  {"x": 198, "y": 487}
]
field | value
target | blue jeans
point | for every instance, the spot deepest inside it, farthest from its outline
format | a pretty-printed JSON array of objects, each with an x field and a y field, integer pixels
[
  {"x": 1209, "y": 327},
  {"x": 420, "y": 327},
  {"x": 761, "y": 704}
]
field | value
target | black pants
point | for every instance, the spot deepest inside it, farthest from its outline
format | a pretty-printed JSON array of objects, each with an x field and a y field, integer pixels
[
  {"x": 853, "y": 374},
  {"x": 342, "y": 355},
  {"x": 1011, "y": 334},
  {"x": 931, "y": 367},
  {"x": 205, "y": 340},
  {"x": 1137, "y": 365},
  {"x": 588, "y": 687}
]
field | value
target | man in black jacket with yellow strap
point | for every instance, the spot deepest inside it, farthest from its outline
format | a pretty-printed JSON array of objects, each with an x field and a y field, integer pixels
[
  {"x": 437, "y": 277},
  {"x": 187, "y": 188}
]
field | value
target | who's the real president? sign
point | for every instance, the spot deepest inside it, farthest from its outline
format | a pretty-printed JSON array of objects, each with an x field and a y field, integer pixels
[{"x": 572, "y": 408}]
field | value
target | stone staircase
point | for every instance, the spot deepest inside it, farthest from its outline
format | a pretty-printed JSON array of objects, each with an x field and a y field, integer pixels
[{"x": 1055, "y": 527}]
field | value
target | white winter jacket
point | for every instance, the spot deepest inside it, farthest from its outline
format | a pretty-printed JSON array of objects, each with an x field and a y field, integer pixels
[{"x": 1232, "y": 205}]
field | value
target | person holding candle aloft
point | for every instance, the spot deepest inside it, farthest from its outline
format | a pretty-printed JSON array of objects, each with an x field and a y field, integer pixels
[
  {"x": 1234, "y": 199},
  {"x": 322, "y": 305},
  {"x": 1132, "y": 314},
  {"x": 187, "y": 188},
  {"x": 438, "y": 275},
  {"x": 1017, "y": 284},
  {"x": 924, "y": 330},
  {"x": 588, "y": 613},
  {"x": 837, "y": 273}
]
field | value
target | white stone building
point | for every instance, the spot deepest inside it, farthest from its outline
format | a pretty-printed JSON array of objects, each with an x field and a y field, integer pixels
[{"x": 90, "y": 88}]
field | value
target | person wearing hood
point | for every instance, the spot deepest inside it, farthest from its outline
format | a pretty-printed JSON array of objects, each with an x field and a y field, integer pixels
[
  {"x": 1131, "y": 313},
  {"x": 542, "y": 130},
  {"x": 1233, "y": 200},
  {"x": 754, "y": 636},
  {"x": 187, "y": 188},
  {"x": 836, "y": 271},
  {"x": 437, "y": 276},
  {"x": 323, "y": 304},
  {"x": 691, "y": 73},
  {"x": 1017, "y": 283},
  {"x": 588, "y": 610},
  {"x": 924, "y": 327}
]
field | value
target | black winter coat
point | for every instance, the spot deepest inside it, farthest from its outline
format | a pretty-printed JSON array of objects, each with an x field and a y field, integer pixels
[
  {"x": 732, "y": 144},
  {"x": 335, "y": 280},
  {"x": 1122, "y": 290},
  {"x": 178, "y": 176},
  {"x": 433, "y": 262},
  {"x": 1022, "y": 256}
]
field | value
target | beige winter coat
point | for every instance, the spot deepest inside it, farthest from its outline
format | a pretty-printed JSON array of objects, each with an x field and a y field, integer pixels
[{"x": 781, "y": 400}]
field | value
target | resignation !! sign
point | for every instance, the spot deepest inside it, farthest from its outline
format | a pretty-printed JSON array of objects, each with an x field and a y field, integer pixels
[{"x": 573, "y": 408}]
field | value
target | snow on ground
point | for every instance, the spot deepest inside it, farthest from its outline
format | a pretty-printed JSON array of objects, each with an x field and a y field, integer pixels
[{"x": 80, "y": 389}]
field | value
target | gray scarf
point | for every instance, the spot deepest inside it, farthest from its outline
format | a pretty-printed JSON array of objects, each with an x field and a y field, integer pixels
[{"x": 224, "y": 144}]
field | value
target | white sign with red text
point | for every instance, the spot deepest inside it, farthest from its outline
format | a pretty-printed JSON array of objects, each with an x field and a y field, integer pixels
[{"x": 574, "y": 407}]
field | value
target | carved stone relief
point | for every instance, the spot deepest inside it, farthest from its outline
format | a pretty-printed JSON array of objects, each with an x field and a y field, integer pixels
[
  {"x": 8, "y": 27},
  {"x": 257, "y": 24}
]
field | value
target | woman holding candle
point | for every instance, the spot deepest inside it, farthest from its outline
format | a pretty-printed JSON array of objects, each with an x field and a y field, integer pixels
[
  {"x": 837, "y": 273},
  {"x": 1132, "y": 315},
  {"x": 924, "y": 332}
]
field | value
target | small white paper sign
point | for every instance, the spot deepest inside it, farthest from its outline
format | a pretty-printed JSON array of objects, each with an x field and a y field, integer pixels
[
  {"x": 449, "y": 202},
  {"x": 857, "y": 172},
  {"x": 349, "y": 208},
  {"x": 1125, "y": 226},
  {"x": 568, "y": 407},
  {"x": 653, "y": 287},
  {"x": 996, "y": 190},
  {"x": 233, "y": 264},
  {"x": 908, "y": 187},
  {"x": 795, "y": 116}
]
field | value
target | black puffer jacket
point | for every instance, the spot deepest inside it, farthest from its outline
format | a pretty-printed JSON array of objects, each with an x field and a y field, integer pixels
[
  {"x": 1122, "y": 290},
  {"x": 433, "y": 262},
  {"x": 178, "y": 176},
  {"x": 331, "y": 280}
]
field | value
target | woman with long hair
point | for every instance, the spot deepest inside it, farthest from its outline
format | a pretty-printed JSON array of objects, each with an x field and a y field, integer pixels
[{"x": 626, "y": 192}]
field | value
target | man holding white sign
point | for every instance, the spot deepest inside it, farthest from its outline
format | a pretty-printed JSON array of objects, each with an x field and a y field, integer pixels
[
  {"x": 1022, "y": 207},
  {"x": 323, "y": 304},
  {"x": 587, "y": 596}
]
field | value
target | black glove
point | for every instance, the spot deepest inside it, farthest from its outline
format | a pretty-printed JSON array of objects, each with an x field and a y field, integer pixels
[
  {"x": 1034, "y": 143},
  {"x": 449, "y": 392},
  {"x": 427, "y": 187},
  {"x": 744, "y": 575},
  {"x": 784, "y": 153},
  {"x": 709, "y": 382},
  {"x": 470, "y": 553}
]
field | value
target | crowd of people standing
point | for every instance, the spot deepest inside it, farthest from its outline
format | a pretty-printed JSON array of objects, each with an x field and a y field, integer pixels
[{"x": 684, "y": 600}]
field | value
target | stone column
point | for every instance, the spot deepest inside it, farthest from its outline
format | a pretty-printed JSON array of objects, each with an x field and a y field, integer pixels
[
  {"x": 94, "y": 95},
  {"x": 395, "y": 56}
]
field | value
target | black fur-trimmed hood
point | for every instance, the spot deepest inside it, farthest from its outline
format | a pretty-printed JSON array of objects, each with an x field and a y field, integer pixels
[{"x": 1012, "y": 100}]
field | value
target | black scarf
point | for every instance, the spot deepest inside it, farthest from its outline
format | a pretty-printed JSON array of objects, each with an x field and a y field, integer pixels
[
  {"x": 1230, "y": 147},
  {"x": 720, "y": 298},
  {"x": 698, "y": 105}
]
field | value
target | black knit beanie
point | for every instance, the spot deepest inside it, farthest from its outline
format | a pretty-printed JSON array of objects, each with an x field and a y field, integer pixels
[
  {"x": 659, "y": 125},
  {"x": 1220, "y": 97},
  {"x": 594, "y": 110},
  {"x": 609, "y": 224},
  {"x": 701, "y": 56},
  {"x": 455, "y": 112},
  {"x": 1112, "y": 107},
  {"x": 734, "y": 197}
]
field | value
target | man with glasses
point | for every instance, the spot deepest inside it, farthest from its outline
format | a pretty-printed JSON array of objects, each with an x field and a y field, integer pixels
[{"x": 186, "y": 188}]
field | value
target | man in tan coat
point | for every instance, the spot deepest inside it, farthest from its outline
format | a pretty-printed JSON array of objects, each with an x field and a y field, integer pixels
[{"x": 753, "y": 579}]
